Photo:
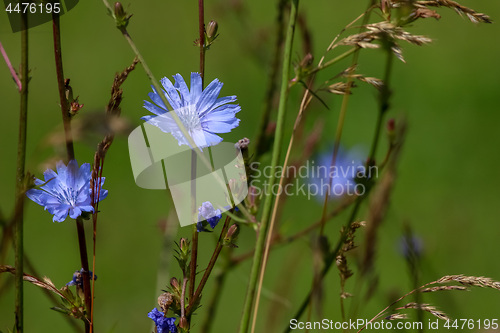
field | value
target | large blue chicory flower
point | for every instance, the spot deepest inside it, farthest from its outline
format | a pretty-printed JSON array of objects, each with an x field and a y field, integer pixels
[
  {"x": 66, "y": 192},
  {"x": 163, "y": 324},
  {"x": 208, "y": 214},
  {"x": 202, "y": 112}
]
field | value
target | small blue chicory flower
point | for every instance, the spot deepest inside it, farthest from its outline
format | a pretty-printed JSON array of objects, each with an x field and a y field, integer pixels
[
  {"x": 201, "y": 111},
  {"x": 210, "y": 214},
  {"x": 411, "y": 246},
  {"x": 78, "y": 278},
  {"x": 337, "y": 180},
  {"x": 163, "y": 324},
  {"x": 66, "y": 192}
]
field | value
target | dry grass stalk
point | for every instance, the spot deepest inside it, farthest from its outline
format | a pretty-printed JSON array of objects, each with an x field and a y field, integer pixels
[
  {"x": 397, "y": 316},
  {"x": 425, "y": 307},
  {"x": 440, "y": 288},
  {"x": 469, "y": 281},
  {"x": 471, "y": 14},
  {"x": 339, "y": 88},
  {"x": 341, "y": 260},
  {"x": 46, "y": 283}
]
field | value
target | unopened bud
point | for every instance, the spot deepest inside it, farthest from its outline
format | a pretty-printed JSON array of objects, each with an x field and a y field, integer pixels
[
  {"x": 119, "y": 12},
  {"x": 307, "y": 61},
  {"x": 174, "y": 283},
  {"x": 183, "y": 323},
  {"x": 212, "y": 30},
  {"x": 391, "y": 133},
  {"x": 121, "y": 17},
  {"x": 184, "y": 245},
  {"x": 391, "y": 124},
  {"x": 231, "y": 236}
]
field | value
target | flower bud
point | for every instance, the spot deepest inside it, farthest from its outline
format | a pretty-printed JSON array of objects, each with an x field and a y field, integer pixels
[
  {"x": 212, "y": 30},
  {"x": 391, "y": 133},
  {"x": 174, "y": 283},
  {"x": 119, "y": 12},
  {"x": 231, "y": 236},
  {"x": 183, "y": 323},
  {"x": 121, "y": 17},
  {"x": 184, "y": 245}
]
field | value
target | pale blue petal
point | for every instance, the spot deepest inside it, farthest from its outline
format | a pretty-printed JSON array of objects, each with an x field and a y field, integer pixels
[
  {"x": 157, "y": 100},
  {"x": 209, "y": 96},
  {"x": 196, "y": 87},
  {"x": 181, "y": 86},
  {"x": 219, "y": 126},
  {"x": 172, "y": 95}
]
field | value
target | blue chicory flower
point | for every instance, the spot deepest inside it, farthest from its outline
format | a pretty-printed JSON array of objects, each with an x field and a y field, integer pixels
[
  {"x": 411, "y": 246},
  {"x": 163, "y": 324},
  {"x": 202, "y": 112},
  {"x": 210, "y": 214},
  {"x": 336, "y": 180},
  {"x": 66, "y": 192},
  {"x": 78, "y": 278}
]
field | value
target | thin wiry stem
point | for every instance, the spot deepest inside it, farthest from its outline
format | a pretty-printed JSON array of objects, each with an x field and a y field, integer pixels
[
  {"x": 201, "y": 28},
  {"x": 194, "y": 239},
  {"x": 11, "y": 69},
  {"x": 20, "y": 178},
  {"x": 261, "y": 240}
]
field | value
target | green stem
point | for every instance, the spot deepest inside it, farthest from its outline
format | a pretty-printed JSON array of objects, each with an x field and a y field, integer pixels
[
  {"x": 20, "y": 177},
  {"x": 261, "y": 240},
  {"x": 334, "y": 60}
]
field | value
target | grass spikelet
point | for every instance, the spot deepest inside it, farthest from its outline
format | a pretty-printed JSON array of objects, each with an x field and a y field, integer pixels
[
  {"x": 440, "y": 288},
  {"x": 397, "y": 316},
  {"x": 426, "y": 307},
  {"x": 468, "y": 281},
  {"x": 471, "y": 14}
]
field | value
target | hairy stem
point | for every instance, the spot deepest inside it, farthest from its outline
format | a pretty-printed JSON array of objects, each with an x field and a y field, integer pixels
[
  {"x": 20, "y": 178},
  {"x": 261, "y": 240}
]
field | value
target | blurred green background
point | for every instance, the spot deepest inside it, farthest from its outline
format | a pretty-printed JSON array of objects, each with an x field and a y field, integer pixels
[{"x": 447, "y": 187}]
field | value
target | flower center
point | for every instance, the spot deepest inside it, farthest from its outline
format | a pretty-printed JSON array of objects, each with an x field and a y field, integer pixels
[{"x": 189, "y": 117}]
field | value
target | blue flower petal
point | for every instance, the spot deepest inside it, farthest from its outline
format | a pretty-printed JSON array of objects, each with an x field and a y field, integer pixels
[
  {"x": 158, "y": 101},
  {"x": 153, "y": 108},
  {"x": 172, "y": 95},
  {"x": 196, "y": 87},
  {"x": 219, "y": 126},
  {"x": 181, "y": 86}
]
